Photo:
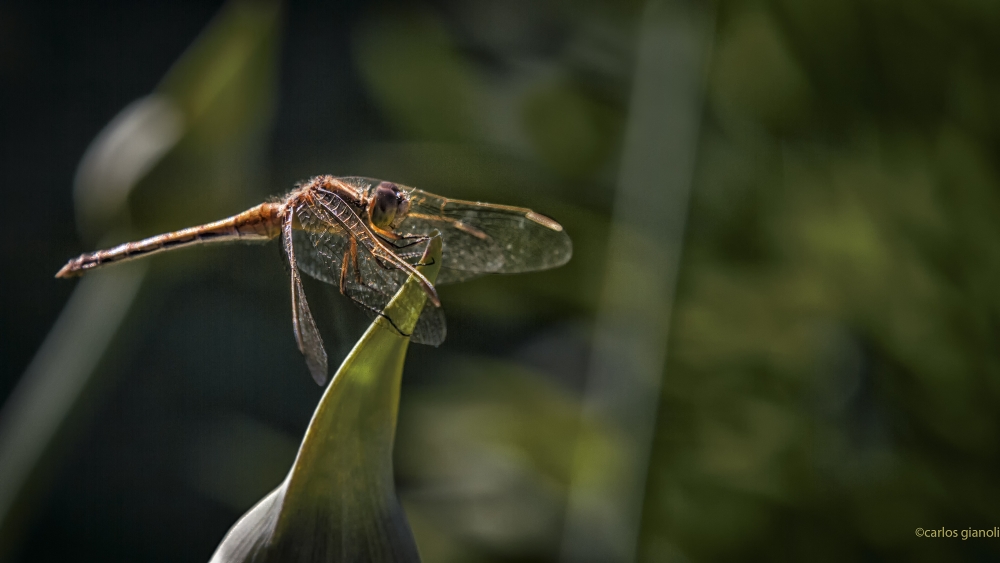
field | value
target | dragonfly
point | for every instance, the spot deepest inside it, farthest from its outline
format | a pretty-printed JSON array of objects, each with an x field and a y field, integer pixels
[{"x": 366, "y": 236}]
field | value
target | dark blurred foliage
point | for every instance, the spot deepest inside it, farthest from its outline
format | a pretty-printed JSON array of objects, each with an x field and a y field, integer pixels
[
  {"x": 832, "y": 376},
  {"x": 833, "y": 372}
]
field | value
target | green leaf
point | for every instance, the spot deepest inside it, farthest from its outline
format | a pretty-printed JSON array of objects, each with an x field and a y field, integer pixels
[{"x": 339, "y": 501}]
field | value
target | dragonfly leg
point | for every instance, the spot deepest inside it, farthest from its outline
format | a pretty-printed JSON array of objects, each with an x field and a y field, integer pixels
[
  {"x": 350, "y": 259},
  {"x": 395, "y": 238},
  {"x": 412, "y": 240},
  {"x": 353, "y": 250},
  {"x": 343, "y": 270},
  {"x": 385, "y": 234}
]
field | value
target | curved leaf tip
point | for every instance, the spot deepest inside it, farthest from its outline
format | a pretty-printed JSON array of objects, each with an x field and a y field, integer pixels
[{"x": 338, "y": 502}]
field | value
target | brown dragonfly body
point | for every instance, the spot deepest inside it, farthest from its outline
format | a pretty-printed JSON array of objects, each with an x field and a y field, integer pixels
[{"x": 364, "y": 235}]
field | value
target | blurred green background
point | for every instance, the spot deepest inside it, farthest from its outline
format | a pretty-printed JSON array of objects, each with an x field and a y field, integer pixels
[{"x": 832, "y": 371}]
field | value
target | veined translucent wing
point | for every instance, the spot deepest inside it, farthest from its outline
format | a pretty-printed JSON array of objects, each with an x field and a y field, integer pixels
[
  {"x": 328, "y": 248},
  {"x": 484, "y": 238},
  {"x": 306, "y": 333}
]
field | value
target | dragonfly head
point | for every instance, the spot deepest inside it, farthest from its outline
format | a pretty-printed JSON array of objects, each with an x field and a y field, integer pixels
[{"x": 388, "y": 206}]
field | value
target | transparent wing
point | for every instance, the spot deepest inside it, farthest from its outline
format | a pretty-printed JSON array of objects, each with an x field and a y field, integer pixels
[
  {"x": 366, "y": 271},
  {"x": 484, "y": 238},
  {"x": 306, "y": 334}
]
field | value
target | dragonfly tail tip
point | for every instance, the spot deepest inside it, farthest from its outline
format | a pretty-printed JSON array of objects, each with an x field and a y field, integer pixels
[{"x": 67, "y": 271}]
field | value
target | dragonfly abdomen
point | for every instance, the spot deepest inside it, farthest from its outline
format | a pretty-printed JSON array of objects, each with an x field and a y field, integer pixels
[{"x": 260, "y": 223}]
